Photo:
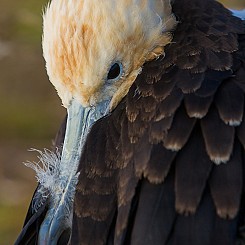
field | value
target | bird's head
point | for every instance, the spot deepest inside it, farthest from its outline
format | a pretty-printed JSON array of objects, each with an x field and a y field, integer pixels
[{"x": 94, "y": 50}]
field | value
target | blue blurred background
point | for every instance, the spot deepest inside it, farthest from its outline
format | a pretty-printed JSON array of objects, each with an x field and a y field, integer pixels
[{"x": 30, "y": 110}]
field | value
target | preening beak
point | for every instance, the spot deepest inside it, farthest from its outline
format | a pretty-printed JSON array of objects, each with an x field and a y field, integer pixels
[{"x": 58, "y": 219}]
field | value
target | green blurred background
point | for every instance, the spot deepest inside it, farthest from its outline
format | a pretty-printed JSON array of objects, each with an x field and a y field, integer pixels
[{"x": 30, "y": 110}]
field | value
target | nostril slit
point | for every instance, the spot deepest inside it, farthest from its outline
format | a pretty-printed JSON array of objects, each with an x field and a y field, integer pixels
[{"x": 64, "y": 237}]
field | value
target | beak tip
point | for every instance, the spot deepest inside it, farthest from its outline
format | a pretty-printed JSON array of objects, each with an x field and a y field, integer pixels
[{"x": 55, "y": 229}]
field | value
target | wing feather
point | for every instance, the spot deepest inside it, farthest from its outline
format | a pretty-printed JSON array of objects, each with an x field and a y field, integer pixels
[
  {"x": 180, "y": 130},
  {"x": 218, "y": 136},
  {"x": 226, "y": 185},
  {"x": 193, "y": 168},
  {"x": 155, "y": 209},
  {"x": 168, "y": 106},
  {"x": 230, "y": 103},
  {"x": 197, "y": 106},
  {"x": 159, "y": 164}
]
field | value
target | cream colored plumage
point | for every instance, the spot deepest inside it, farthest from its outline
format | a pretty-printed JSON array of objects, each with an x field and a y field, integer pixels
[{"x": 82, "y": 39}]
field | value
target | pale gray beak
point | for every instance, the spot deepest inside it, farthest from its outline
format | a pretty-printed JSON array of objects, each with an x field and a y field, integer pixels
[{"x": 58, "y": 220}]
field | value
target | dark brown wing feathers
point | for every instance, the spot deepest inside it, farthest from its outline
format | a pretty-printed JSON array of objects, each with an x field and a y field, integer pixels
[
  {"x": 197, "y": 106},
  {"x": 95, "y": 202},
  {"x": 159, "y": 164},
  {"x": 193, "y": 167},
  {"x": 218, "y": 136},
  {"x": 230, "y": 103},
  {"x": 179, "y": 119},
  {"x": 180, "y": 130},
  {"x": 155, "y": 209},
  {"x": 226, "y": 184}
]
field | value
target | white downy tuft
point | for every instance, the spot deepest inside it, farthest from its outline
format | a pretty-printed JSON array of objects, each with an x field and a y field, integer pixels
[{"x": 47, "y": 174}]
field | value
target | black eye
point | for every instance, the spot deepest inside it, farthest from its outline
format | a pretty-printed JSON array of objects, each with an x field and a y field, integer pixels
[{"x": 115, "y": 71}]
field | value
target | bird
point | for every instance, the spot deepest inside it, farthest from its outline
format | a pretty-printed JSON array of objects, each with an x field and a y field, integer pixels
[{"x": 152, "y": 150}]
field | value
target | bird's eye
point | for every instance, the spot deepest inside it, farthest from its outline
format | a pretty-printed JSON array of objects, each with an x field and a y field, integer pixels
[{"x": 115, "y": 71}]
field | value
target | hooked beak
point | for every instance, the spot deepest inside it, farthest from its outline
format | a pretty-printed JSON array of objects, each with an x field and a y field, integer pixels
[{"x": 58, "y": 220}]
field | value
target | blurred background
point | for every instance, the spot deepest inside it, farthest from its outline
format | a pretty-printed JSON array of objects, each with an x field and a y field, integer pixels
[{"x": 30, "y": 110}]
